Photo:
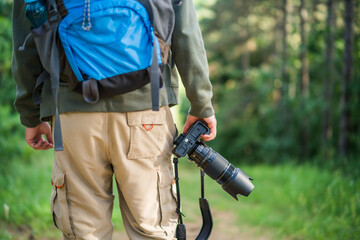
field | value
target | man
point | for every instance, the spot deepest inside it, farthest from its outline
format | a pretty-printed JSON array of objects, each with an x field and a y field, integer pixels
[{"x": 118, "y": 136}]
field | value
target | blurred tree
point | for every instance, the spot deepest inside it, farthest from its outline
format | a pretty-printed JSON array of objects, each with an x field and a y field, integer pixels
[
  {"x": 304, "y": 82},
  {"x": 258, "y": 53},
  {"x": 304, "y": 76},
  {"x": 284, "y": 67},
  {"x": 12, "y": 143},
  {"x": 347, "y": 75},
  {"x": 7, "y": 92},
  {"x": 328, "y": 80},
  {"x": 263, "y": 56}
]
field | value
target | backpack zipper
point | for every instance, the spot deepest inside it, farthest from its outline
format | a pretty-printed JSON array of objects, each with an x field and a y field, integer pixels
[{"x": 86, "y": 16}]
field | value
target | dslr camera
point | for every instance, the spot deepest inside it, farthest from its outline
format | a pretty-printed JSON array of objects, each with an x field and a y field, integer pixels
[{"x": 233, "y": 180}]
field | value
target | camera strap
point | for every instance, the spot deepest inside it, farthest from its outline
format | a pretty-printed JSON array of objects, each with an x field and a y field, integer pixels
[
  {"x": 180, "y": 229},
  {"x": 205, "y": 212}
]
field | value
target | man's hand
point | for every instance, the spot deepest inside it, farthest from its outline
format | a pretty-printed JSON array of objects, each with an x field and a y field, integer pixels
[
  {"x": 34, "y": 136},
  {"x": 210, "y": 121}
]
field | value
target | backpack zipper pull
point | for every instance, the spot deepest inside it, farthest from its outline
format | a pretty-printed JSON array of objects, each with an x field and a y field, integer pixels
[
  {"x": 22, "y": 47},
  {"x": 86, "y": 14}
]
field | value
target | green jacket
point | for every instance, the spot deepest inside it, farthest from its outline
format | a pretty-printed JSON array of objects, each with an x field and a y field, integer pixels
[{"x": 189, "y": 61}]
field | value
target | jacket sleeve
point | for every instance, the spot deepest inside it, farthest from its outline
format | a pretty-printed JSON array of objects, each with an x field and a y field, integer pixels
[
  {"x": 26, "y": 67},
  {"x": 190, "y": 59}
]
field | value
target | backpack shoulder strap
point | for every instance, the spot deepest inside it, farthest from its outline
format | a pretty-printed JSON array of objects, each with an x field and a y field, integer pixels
[
  {"x": 53, "y": 14},
  {"x": 54, "y": 19},
  {"x": 146, "y": 4},
  {"x": 155, "y": 79}
]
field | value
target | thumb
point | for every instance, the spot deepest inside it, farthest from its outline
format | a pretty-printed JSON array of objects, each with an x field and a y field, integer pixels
[
  {"x": 49, "y": 137},
  {"x": 45, "y": 129}
]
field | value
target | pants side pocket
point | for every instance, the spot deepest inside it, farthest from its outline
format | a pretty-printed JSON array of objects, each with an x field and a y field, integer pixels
[{"x": 60, "y": 203}]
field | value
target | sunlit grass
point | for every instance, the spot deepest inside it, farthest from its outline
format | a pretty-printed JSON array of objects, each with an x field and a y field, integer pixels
[
  {"x": 296, "y": 202},
  {"x": 289, "y": 201},
  {"x": 26, "y": 191}
]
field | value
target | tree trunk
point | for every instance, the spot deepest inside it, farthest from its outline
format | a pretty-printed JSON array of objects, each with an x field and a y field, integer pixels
[
  {"x": 304, "y": 79},
  {"x": 314, "y": 9},
  {"x": 245, "y": 36},
  {"x": 345, "y": 93},
  {"x": 284, "y": 73},
  {"x": 328, "y": 80},
  {"x": 303, "y": 52}
]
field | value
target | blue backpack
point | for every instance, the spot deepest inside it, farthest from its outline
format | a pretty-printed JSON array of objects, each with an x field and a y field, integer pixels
[{"x": 112, "y": 47}]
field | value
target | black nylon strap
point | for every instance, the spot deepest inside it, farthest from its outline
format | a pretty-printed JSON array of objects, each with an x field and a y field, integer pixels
[
  {"x": 155, "y": 79},
  {"x": 53, "y": 14},
  {"x": 207, "y": 220},
  {"x": 54, "y": 19},
  {"x": 176, "y": 161},
  {"x": 55, "y": 81},
  {"x": 90, "y": 91},
  {"x": 202, "y": 176},
  {"x": 44, "y": 76},
  {"x": 205, "y": 213},
  {"x": 180, "y": 229},
  {"x": 154, "y": 68}
]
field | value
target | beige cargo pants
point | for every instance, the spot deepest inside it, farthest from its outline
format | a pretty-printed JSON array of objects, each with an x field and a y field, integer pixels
[{"x": 136, "y": 147}]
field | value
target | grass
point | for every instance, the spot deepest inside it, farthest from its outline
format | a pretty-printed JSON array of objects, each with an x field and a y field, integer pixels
[
  {"x": 26, "y": 190},
  {"x": 293, "y": 202},
  {"x": 289, "y": 201}
]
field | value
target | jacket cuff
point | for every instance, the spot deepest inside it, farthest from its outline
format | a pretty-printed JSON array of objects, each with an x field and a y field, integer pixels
[
  {"x": 201, "y": 110},
  {"x": 30, "y": 122}
]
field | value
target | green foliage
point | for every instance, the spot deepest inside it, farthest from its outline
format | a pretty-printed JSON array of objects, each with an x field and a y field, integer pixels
[
  {"x": 262, "y": 115},
  {"x": 328, "y": 201},
  {"x": 261, "y": 119},
  {"x": 5, "y": 8},
  {"x": 12, "y": 144},
  {"x": 5, "y": 235},
  {"x": 26, "y": 192},
  {"x": 289, "y": 201},
  {"x": 7, "y": 86}
]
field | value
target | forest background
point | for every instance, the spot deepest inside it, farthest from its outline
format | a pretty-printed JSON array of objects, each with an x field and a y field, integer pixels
[{"x": 286, "y": 81}]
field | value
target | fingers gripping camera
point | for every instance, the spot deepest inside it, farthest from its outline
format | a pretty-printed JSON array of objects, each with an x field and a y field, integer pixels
[{"x": 233, "y": 180}]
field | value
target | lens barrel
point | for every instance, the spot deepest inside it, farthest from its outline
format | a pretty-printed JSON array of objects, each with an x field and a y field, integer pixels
[{"x": 233, "y": 180}]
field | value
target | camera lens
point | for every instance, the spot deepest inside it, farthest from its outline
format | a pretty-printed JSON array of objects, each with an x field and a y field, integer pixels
[
  {"x": 239, "y": 183},
  {"x": 233, "y": 180}
]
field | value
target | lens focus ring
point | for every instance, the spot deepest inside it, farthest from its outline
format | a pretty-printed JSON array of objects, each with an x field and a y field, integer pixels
[{"x": 226, "y": 175}]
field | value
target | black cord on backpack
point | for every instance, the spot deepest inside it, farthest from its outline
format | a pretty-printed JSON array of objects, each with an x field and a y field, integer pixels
[{"x": 180, "y": 229}]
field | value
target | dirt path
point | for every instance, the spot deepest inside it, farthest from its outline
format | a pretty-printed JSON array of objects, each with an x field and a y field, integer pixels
[{"x": 225, "y": 228}]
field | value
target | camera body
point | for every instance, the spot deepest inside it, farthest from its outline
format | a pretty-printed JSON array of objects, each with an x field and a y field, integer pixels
[{"x": 233, "y": 180}]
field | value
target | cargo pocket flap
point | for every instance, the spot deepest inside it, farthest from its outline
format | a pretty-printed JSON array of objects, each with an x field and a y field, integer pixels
[
  {"x": 147, "y": 133},
  {"x": 60, "y": 207},
  {"x": 148, "y": 117},
  {"x": 58, "y": 179}
]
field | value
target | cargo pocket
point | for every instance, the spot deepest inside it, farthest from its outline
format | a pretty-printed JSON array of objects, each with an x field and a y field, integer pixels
[
  {"x": 59, "y": 202},
  {"x": 167, "y": 199},
  {"x": 148, "y": 134}
]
